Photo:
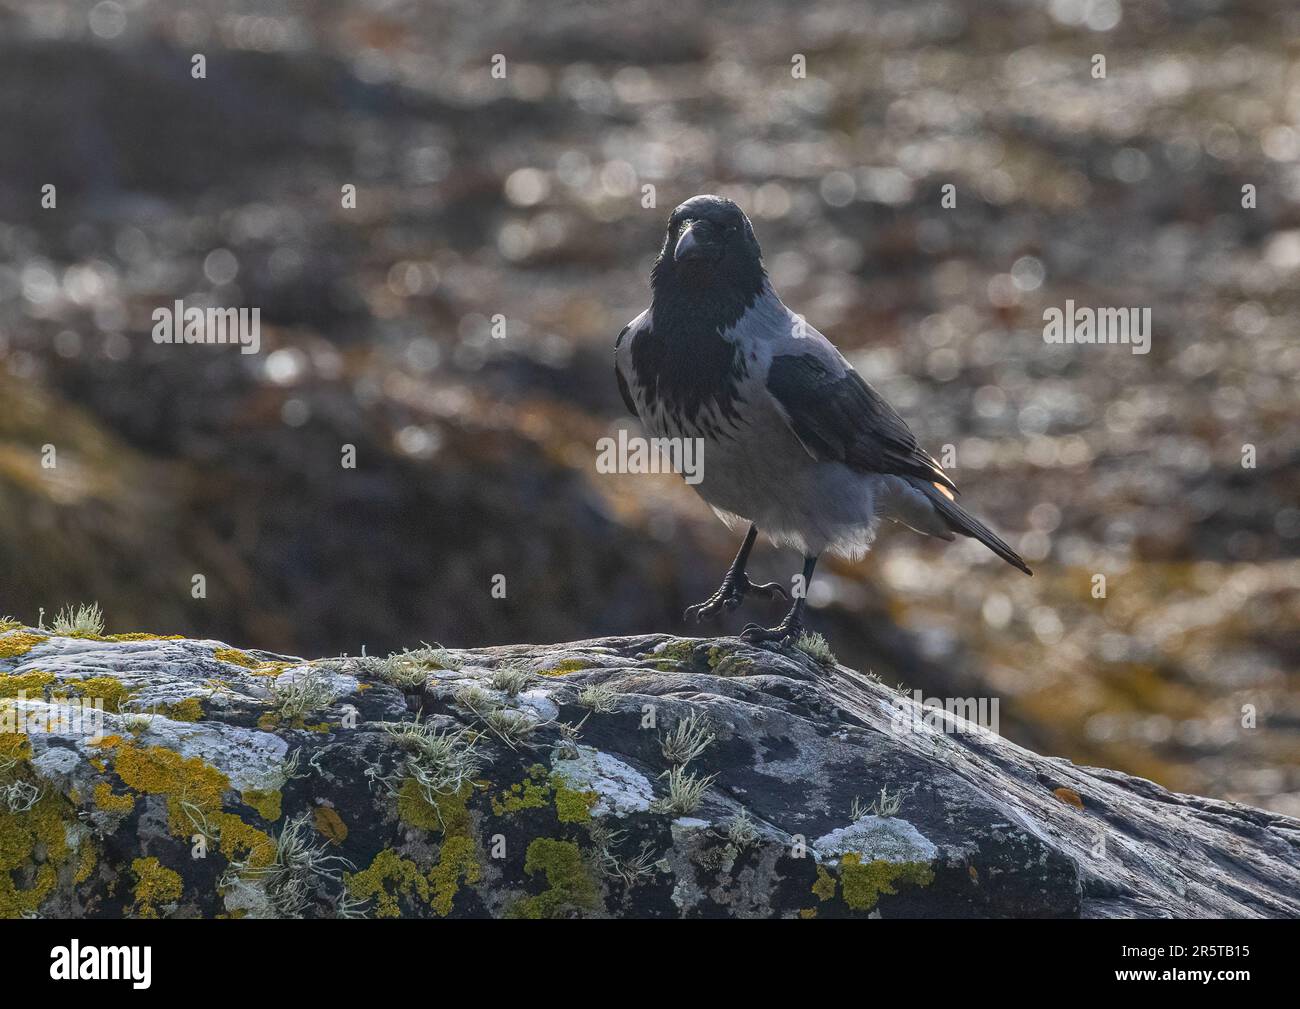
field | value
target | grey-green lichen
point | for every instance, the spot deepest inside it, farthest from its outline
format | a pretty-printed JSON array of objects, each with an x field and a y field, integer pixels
[
  {"x": 670, "y": 657},
  {"x": 727, "y": 662},
  {"x": 566, "y": 666}
]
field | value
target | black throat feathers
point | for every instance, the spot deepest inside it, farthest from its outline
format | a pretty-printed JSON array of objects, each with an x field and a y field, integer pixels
[{"x": 683, "y": 362}]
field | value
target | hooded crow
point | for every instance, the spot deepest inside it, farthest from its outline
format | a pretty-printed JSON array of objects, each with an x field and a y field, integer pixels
[{"x": 795, "y": 442}]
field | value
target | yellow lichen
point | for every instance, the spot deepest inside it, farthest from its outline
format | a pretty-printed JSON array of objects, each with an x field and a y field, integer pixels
[
  {"x": 112, "y": 691},
  {"x": 156, "y": 885},
  {"x": 571, "y": 804},
  {"x": 106, "y": 800},
  {"x": 864, "y": 882},
  {"x": 44, "y": 828},
  {"x": 235, "y": 656},
  {"x": 30, "y": 684},
  {"x": 724, "y": 662},
  {"x": 194, "y": 791},
  {"x": 240, "y": 840},
  {"x": 143, "y": 636},
  {"x": 267, "y": 803},
  {"x": 86, "y": 863},
  {"x": 824, "y": 886},
  {"x": 526, "y": 794},
  {"x": 188, "y": 710},
  {"x": 34, "y": 842},
  {"x": 415, "y": 809},
  {"x": 156, "y": 770},
  {"x": 14, "y": 748},
  {"x": 388, "y": 878},
  {"x": 16, "y": 643},
  {"x": 570, "y": 886},
  {"x": 456, "y": 861}
]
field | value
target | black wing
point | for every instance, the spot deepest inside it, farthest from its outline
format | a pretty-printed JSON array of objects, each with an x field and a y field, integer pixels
[
  {"x": 840, "y": 417},
  {"x": 623, "y": 390}
]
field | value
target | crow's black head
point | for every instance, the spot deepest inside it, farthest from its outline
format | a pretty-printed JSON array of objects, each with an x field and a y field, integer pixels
[{"x": 710, "y": 244}]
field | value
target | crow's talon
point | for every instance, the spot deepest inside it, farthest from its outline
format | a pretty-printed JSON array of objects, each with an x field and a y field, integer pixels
[
  {"x": 785, "y": 633},
  {"x": 730, "y": 595},
  {"x": 725, "y": 598}
]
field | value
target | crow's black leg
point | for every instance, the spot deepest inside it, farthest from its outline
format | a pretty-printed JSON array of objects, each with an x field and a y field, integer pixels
[
  {"x": 789, "y": 629},
  {"x": 735, "y": 586}
]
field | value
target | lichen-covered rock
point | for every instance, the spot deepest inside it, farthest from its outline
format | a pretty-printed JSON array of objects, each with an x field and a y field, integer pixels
[{"x": 646, "y": 776}]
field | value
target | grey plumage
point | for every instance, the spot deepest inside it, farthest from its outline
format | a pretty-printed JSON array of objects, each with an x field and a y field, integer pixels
[{"x": 795, "y": 441}]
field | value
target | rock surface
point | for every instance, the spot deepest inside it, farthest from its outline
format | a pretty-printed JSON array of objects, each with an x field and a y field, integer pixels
[{"x": 555, "y": 781}]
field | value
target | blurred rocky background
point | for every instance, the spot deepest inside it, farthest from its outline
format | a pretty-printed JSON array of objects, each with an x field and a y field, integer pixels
[{"x": 522, "y": 197}]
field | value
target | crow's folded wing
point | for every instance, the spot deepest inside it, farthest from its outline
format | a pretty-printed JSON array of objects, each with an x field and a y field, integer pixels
[
  {"x": 623, "y": 389},
  {"x": 837, "y": 416}
]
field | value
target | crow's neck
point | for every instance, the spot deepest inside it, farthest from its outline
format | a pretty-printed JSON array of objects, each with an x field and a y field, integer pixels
[
  {"x": 686, "y": 303},
  {"x": 684, "y": 363}
]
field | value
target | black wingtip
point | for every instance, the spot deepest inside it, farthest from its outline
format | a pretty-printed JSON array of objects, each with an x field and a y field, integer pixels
[
  {"x": 1006, "y": 553},
  {"x": 1000, "y": 548},
  {"x": 962, "y": 521}
]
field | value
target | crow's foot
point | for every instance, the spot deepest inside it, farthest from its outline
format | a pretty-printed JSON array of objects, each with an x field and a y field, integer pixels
[
  {"x": 731, "y": 594},
  {"x": 787, "y": 632}
]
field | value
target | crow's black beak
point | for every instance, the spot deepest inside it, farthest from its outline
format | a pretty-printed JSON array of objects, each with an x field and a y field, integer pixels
[{"x": 692, "y": 243}]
